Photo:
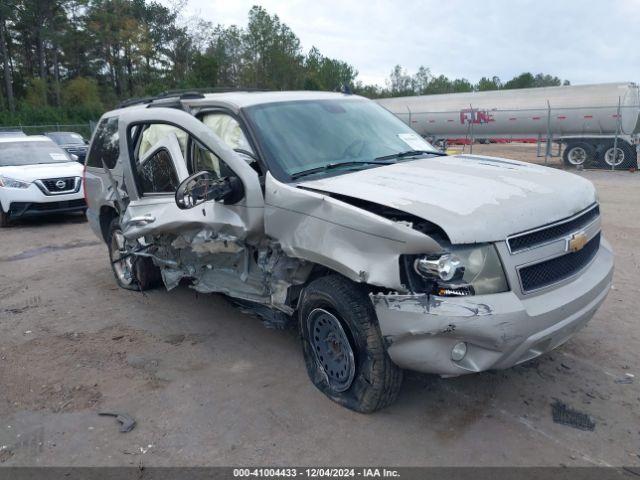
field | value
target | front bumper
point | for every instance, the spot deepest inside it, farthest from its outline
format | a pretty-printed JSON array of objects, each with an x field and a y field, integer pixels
[
  {"x": 33, "y": 209},
  {"x": 29, "y": 202},
  {"x": 501, "y": 330}
]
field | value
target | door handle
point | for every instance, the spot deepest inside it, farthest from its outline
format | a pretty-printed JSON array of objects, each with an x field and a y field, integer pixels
[{"x": 143, "y": 219}]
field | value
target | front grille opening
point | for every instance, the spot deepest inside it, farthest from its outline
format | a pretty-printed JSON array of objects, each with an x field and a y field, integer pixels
[
  {"x": 43, "y": 207},
  {"x": 553, "y": 232},
  {"x": 557, "y": 269},
  {"x": 20, "y": 208},
  {"x": 59, "y": 184}
]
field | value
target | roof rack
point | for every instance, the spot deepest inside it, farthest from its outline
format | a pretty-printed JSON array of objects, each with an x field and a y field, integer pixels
[
  {"x": 185, "y": 94},
  {"x": 171, "y": 93},
  {"x": 134, "y": 101}
]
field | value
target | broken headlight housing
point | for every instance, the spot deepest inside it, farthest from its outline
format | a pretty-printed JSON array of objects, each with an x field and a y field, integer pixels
[{"x": 474, "y": 270}]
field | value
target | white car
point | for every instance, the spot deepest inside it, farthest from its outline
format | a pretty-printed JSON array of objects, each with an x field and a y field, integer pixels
[{"x": 37, "y": 177}]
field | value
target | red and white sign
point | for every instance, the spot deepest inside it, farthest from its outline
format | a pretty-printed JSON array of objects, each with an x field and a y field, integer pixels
[{"x": 475, "y": 116}]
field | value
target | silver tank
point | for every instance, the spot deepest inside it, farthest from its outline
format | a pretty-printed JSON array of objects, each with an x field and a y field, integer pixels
[{"x": 574, "y": 110}]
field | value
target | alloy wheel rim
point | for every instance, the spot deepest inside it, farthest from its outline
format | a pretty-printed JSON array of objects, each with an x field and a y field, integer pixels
[
  {"x": 577, "y": 156},
  {"x": 122, "y": 263},
  {"x": 614, "y": 160}
]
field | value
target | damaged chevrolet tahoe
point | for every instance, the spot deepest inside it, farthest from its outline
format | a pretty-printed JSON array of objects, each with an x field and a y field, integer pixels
[{"x": 324, "y": 211}]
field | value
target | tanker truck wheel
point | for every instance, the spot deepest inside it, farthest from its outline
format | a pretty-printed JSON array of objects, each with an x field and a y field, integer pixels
[
  {"x": 624, "y": 156},
  {"x": 579, "y": 153}
]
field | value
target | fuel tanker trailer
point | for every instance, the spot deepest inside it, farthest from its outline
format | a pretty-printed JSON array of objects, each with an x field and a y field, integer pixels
[{"x": 587, "y": 119}]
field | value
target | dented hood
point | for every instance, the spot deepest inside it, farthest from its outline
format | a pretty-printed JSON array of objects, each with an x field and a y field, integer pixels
[{"x": 473, "y": 198}]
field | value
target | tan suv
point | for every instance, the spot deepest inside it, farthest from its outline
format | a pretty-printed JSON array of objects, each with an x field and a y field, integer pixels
[{"x": 326, "y": 212}]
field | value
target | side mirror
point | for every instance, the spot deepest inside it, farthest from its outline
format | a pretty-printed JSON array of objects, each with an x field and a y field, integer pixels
[
  {"x": 204, "y": 186},
  {"x": 74, "y": 157}
]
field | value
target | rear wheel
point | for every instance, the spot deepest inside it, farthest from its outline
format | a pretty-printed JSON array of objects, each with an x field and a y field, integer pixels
[
  {"x": 580, "y": 153},
  {"x": 614, "y": 156},
  {"x": 622, "y": 156},
  {"x": 343, "y": 349},
  {"x": 131, "y": 272}
]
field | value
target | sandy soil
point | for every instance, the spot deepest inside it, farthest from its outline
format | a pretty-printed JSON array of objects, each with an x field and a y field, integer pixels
[{"x": 209, "y": 385}]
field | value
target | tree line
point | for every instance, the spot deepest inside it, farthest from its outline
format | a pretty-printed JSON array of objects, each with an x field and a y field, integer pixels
[
  {"x": 69, "y": 60},
  {"x": 423, "y": 82}
]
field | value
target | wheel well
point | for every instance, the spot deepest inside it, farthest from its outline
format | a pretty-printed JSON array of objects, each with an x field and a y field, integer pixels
[
  {"x": 597, "y": 143},
  {"x": 107, "y": 214},
  {"x": 319, "y": 271},
  {"x": 294, "y": 291}
]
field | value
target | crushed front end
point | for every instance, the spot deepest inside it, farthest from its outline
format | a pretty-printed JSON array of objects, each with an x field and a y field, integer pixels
[{"x": 557, "y": 276}]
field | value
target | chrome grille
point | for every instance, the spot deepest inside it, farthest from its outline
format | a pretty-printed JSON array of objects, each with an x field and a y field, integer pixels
[
  {"x": 555, "y": 231},
  {"x": 554, "y": 270},
  {"x": 57, "y": 186}
]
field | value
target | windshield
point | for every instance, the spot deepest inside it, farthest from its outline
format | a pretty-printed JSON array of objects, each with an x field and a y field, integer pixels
[
  {"x": 65, "y": 138},
  {"x": 30, "y": 153},
  {"x": 306, "y": 135}
]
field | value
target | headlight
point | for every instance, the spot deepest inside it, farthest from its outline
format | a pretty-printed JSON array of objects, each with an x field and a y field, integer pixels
[
  {"x": 462, "y": 271},
  {"x": 12, "y": 183}
]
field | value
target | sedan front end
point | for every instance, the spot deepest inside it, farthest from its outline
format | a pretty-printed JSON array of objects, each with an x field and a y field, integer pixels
[{"x": 21, "y": 199}]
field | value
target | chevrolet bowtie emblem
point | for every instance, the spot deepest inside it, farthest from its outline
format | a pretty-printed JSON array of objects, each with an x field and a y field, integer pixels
[{"x": 576, "y": 242}]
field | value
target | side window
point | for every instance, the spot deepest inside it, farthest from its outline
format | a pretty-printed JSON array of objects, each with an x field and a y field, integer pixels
[
  {"x": 105, "y": 144},
  {"x": 157, "y": 174},
  {"x": 228, "y": 129},
  {"x": 154, "y": 167},
  {"x": 204, "y": 159}
]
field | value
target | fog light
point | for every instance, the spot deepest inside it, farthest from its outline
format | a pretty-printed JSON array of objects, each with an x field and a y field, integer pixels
[{"x": 458, "y": 351}]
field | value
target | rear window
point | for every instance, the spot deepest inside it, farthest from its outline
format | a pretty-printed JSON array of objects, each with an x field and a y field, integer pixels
[
  {"x": 66, "y": 138},
  {"x": 31, "y": 153},
  {"x": 105, "y": 145}
]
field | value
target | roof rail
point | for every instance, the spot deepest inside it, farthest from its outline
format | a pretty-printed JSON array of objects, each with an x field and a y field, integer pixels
[
  {"x": 184, "y": 94},
  {"x": 134, "y": 101},
  {"x": 189, "y": 91}
]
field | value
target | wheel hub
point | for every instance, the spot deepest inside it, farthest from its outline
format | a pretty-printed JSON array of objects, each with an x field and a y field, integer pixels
[
  {"x": 577, "y": 156},
  {"x": 122, "y": 262},
  {"x": 614, "y": 159},
  {"x": 332, "y": 349}
]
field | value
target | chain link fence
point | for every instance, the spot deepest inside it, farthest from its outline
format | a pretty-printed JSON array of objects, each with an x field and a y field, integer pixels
[{"x": 84, "y": 129}]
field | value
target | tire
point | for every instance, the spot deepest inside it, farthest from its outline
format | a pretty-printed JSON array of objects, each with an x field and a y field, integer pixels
[
  {"x": 132, "y": 273},
  {"x": 336, "y": 308},
  {"x": 625, "y": 159},
  {"x": 4, "y": 218},
  {"x": 580, "y": 153}
]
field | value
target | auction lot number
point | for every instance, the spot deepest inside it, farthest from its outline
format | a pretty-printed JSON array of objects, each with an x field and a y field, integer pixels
[{"x": 316, "y": 472}]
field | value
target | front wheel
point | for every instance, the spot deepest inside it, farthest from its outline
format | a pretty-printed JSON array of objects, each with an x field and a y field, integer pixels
[
  {"x": 4, "y": 218},
  {"x": 343, "y": 349},
  {"x": 578, "y": 154},
  {"x": 131, "y": 272}
]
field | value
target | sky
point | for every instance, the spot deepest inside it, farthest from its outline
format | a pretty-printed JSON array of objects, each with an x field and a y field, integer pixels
[{"x": 587, "y": 41}]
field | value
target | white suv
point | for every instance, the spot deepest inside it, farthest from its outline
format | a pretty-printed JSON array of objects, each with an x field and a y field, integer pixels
[{"x": 37, "y": 177}]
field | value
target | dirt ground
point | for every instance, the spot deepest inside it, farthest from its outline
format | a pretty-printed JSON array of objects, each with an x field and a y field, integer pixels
[{"x": 209, "y": 385}]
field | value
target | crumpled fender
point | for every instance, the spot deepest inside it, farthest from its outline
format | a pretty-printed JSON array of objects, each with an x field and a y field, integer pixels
[{"x": 363, "y": 246}]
